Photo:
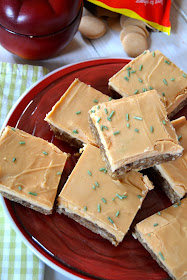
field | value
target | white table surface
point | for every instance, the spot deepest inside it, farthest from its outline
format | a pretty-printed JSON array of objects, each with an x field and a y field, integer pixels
[{"x": 173, "y": 46}]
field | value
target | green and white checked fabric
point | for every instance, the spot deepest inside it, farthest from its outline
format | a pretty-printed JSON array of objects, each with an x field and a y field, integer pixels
[{"x": 17, "y": 262}]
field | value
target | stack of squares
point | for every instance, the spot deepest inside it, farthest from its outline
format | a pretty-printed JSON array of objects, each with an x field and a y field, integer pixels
[{"x": 119, "y": 137}]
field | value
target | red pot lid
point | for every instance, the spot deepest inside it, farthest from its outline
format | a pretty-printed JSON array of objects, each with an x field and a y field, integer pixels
[{"x": 37, "y": 17}]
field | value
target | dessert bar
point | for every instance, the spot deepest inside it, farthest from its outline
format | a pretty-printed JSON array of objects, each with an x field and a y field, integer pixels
[
  {"x": 30, "y": 169},
  {"x": 103, "y": 205},
  {"x": 134, "y": 133},
  {"x": 153, "y": 70}
]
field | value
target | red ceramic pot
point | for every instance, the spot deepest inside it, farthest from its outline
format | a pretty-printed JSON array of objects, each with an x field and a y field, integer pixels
[{"x": 38, "y": 29}]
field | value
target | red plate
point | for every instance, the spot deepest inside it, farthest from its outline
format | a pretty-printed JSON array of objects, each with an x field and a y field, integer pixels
[{"x": 57, "y": 240}]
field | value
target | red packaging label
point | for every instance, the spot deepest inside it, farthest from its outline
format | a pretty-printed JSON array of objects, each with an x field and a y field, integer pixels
[{"x": 155, "y": 12}]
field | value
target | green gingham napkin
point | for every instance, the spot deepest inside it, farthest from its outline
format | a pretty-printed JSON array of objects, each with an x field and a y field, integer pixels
[{"x": 17, "y": 262}]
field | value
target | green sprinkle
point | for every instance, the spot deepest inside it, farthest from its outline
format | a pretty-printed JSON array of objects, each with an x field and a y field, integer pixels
[
  {"x": 153, "y": 54},
  {"x": 161, "y": 255},
  {"x": 45, "y": 153},
  {"x": 166, "y": 61},
  {"x": 128, "y": 125},
  {"x": 20, "y": 188},
  {"x": 106, "y": 111},
  {"x": 140, "y": 80},
  {"x": 98, "y": 119},
  {"x": 14, "y": 159},
  {"x": 116, "y": 132},
  {"x": 144, "y": 89},
  {"x": 179, "y": 137},
  {"x": 89, "y": 173},
  {"x": 165, "y": 82},
  {"x": 134, "y": 71},
  {"x": 85, "y": 208},
  {"x": 149, "y": 234},
  {"x": 111, "y": 114},
  {"x": 92, "y": 111},
  {"x": 129, "y": 68},
  {"x": 110, "y": 220},
  {"x": 22, "y": 143},
  {"x": 78, "y": 112},
  {"x": 75, "y": 131},
  {"x": 103, "y": 169},
  {"x": 164, "y": 122},
  {"x": 13, "y": 129},
  {"x": 120, "y": 196},
  {"x": 138, "y": 118},
  {"x": 59, "y": 173},
  {"x": 32, "y": 193},
  {"x": 99, "y": 208},
  {"x": 139, "y": 196},
  {"x": 155, "y": 225},
  {"x": 113, "y": 198},
  {"x": 184, "y": 75},
  {"x": 93, "y": 187},
  {"x": 124, "y": 196},
  {"x": 110, "y": 98},
  {"x": 104, "y": 200},
  {"x": 126, "y": 79},
  {"x": 159, "y": 213},
  {"x": 117, "y": 213},
  {"x": 140, "y": 68},
  {"x": 127, "y": 116},
  {"x": 128, "y": 73},
  {"x": 98, "y": 107},
  {"x": 150, "y": 88},
  {"x": 175, "y": 205},
  {"x": 163, "y": 94},
  {"x": 151, "y": 129},
  {"x": 144, "y": 52},
  {"x": 109, "y": 119},
  {"x": 97, "y": 184},
  {"x": 136, "y": 130},
  {"x": 136, "y": 91},
  {"x": 95, "y": 100},
  {"x": 172, "y": 79},
  {"x": 178, "y": 204},
  {"x": 104, "y": 126}
]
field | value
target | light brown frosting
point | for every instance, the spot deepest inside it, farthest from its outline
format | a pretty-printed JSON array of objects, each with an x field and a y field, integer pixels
[
  {"x": 166, "y": 235},
  {"x": 65, "y": 115},
  {"x": 130, "y": 145},
  {"x": 30, "y": 164},
  {"x": 175, "y": 172},
  {"x": 155, "y": 67},
  {"x": 79, "y": 192}
]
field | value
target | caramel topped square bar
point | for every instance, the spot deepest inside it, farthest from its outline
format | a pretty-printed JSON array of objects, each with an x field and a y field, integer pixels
[
  {"x": 134, "y": 133},
  {"x": 174, "y": 173},
  {"x": 30, "y": 169},
  {"x": 164, "y": 235},
  {"x": 95, "y": 200},
  {"x": 153, "y": 70},
  {"x": 69, "y": 116}
]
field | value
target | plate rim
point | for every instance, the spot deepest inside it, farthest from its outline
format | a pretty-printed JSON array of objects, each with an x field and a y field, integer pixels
[{"x": 66, "y": 271}]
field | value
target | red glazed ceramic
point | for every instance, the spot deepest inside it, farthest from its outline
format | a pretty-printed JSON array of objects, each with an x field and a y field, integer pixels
[
  {"x": 38, "y": 29},
  {"x": 58, "y": 240}
]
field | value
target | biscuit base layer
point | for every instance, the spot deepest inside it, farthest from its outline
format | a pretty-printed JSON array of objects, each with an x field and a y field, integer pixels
[
  {"x": 136, "y": 165},
  {"x": 62, "y": 135},
  {"x": 154, "y": 256},
  {"x": 26, "y": 204},
  {"x": 91, "y": 226},
  {"x": 161, "y": 181}
]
